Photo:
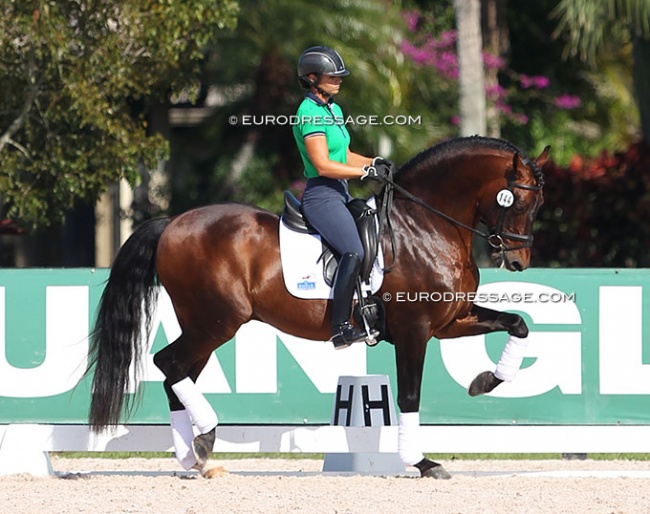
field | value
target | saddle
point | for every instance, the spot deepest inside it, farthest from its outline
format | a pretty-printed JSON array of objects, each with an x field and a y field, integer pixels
[{"x": 366, "y": 220}]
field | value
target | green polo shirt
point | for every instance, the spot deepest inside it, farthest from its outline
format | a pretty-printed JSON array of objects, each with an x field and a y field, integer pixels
[{"x": 316, "y": 117}]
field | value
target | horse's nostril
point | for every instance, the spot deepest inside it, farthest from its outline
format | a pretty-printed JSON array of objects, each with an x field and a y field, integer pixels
[{"x": 516, "y": 266}]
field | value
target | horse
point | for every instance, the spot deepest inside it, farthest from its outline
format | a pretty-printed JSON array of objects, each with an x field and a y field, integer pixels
[{"x": 220, "y": 265}]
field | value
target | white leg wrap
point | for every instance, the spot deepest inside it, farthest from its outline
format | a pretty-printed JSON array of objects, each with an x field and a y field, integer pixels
[
  {"x": 182, "y": 435},
  {"x": 199, "y": 409},
  {"x": 511, "y": 358},
  {"x": 408, "y": 441}
]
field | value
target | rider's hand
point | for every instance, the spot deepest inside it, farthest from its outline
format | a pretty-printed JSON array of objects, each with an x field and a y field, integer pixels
[
  {"x": 379, "y": 172},
  {"x": 380, "y": 160}
]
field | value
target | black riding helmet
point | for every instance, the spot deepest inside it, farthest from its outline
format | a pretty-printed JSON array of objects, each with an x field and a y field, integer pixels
[{"x": 320, "y": 60}]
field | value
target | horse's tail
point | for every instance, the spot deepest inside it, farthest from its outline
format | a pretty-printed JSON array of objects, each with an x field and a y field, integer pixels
[{"x": 115, "y": 342}]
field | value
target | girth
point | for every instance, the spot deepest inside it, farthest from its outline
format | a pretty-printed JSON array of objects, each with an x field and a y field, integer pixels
[{"x": 365, "y": 218}]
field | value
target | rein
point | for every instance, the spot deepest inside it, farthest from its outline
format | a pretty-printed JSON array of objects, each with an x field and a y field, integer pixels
[{"x": 495, "y": 237}]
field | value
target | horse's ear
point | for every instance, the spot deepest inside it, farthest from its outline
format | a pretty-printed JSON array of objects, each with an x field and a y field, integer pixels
[{"x": 543, "y": 157}]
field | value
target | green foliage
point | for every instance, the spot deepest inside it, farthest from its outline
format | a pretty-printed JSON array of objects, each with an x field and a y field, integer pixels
[
  {"x": 593, "y": 26},
  {"x": 367, "y": 33},
  {"x": 78, "y": 79},
  {"x": 606, "y": 34},
  {"x": 540, "y": 98},
  {"x": 257, "y": 184},
  {"x": 605, "y": 103},
  {"x": 254, "y": 67}
]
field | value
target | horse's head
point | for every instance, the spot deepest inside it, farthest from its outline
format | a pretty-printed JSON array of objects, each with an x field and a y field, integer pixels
[{"x": 508, "y": 206}]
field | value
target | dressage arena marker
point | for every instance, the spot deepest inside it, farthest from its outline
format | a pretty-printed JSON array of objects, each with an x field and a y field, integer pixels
[
  {"x": 23, "y": 448},
  {"x": 21, "y": 451},
  {"x": 364, "y": 401}
]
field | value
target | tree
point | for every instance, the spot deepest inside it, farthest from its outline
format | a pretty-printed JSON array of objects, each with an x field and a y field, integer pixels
[
  {"x": 496, "y": 44},
  {"x": 470, "y": 67},
  {"x": 78, "y": 77},
  {"x": 254, "y": 70},
  {"x": 594, "y": 27}
]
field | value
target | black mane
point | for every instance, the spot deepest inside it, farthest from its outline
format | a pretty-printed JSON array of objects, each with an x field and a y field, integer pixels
[{"x": 432, "y": 156}]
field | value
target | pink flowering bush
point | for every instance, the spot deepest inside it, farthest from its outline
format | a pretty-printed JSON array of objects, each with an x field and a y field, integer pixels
[
  {"x": 431, "y": 45},
  {"x": 537, "y": 82},
  {"x": 567, "y": 102},
  {"x": 439, "y": 54}
]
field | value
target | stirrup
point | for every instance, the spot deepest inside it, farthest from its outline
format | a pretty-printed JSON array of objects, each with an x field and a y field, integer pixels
[
  {"x": 371, "y": 337},
  {"x": 347, "y": 335}
]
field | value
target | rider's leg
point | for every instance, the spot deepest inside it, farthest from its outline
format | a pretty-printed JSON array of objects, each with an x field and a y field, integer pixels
[
  {"x": 344, "y": 333},
  {"x": 324, "y": 206}
]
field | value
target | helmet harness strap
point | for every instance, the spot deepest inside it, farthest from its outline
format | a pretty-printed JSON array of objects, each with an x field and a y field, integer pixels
[{"x": 315, "y": 84}]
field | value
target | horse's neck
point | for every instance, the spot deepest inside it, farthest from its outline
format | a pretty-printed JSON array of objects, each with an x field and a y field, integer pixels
[
  {"x": 426, "y": 232},
  {"x": 423, "y": 237},
  {"x": 453, "y": 197},
  {"x": 454, "y": 193}
]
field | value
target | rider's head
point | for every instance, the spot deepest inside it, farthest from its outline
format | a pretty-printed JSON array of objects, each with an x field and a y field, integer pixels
[{"x": 318, "y": 61}]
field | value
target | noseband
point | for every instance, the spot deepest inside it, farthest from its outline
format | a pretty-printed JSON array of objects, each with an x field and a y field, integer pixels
[{"x": 496, "y": 236}]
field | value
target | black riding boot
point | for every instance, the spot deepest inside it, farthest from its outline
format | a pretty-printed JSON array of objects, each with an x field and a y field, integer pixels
[{"x": 343, "y": 333}]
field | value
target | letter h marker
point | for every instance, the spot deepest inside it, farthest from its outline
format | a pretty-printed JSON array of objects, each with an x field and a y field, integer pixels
[{"x": 343, "y": 404}]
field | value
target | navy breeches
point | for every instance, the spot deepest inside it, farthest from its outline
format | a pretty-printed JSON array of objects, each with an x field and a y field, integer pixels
[{"x": 324, "y": 206}]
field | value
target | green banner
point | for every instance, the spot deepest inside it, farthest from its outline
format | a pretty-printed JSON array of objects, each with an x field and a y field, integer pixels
[{"x": 588, "y": 357}]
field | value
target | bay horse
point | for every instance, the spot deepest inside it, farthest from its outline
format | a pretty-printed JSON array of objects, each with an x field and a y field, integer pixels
[{"x": 220, "y": 265}]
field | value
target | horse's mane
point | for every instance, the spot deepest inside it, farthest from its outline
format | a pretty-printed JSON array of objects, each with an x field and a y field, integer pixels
[{"x": 432, "y": 157}]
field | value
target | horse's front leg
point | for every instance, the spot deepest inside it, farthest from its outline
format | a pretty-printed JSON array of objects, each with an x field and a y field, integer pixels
[
  {"x": 410, "y": 362},
  {"x": 483, "y": 321}
]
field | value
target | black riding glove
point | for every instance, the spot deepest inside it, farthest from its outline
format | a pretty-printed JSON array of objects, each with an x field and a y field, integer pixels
[
  {"x": 377, "y": 172},
  {"x": 380, "y": 160}
]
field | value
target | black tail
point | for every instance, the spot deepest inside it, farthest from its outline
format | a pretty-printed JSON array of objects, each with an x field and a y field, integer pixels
[{"x": 130, "y": 295}]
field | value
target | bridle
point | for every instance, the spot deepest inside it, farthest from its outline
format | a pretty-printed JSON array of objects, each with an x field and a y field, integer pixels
[{"x": 496, "y": 236}]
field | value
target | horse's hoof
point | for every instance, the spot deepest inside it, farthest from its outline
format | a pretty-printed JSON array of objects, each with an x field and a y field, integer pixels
[
  {"x": 202, "y": 446},
  {"x": 430, "y": 469},
  {"x": 210, "y": 471},
  {"x": 214, "y": 472},
  {"x": 483, "y": 383}
]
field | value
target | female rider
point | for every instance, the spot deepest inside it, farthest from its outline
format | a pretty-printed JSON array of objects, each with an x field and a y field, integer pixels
[{"x": 323, "y": 142}]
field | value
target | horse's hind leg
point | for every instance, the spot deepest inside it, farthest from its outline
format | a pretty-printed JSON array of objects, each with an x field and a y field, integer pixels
[
  {"x": 181, "y": 367},
  {"x": 203, "y": 444},
  {"x": 191, "y": 452}
]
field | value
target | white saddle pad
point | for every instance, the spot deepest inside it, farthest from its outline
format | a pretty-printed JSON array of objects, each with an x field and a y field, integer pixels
[{"x": 303, "y": 271}]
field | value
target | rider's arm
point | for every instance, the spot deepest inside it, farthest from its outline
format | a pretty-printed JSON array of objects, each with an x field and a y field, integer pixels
[
  {"x": 318, "y": 152},
  {"x": 355, "y": 159}
]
